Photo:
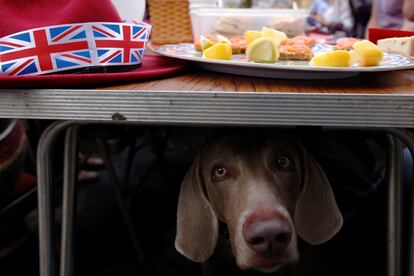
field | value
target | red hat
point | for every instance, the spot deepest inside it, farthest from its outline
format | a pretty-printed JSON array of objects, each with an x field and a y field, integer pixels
[{"x": 23, "y": 15}]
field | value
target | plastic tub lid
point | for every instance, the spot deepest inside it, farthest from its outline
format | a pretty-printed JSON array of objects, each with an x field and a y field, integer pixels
[{"x": 249, "y": 12}]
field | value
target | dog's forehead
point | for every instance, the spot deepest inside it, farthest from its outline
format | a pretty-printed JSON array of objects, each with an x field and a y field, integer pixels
[{"x": 254, "y": 144}]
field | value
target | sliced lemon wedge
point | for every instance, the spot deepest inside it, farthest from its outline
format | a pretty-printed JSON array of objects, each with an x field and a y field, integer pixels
[
  {"x": 205, "y": 43},
  {"x": 251, "y": 36},
  {"x": 355, "y": 58},
  {"x": 338, "y": 58},
  {"x": 369, "y": 53},
  {"x": 276, "y": 35},
  {"x": 218, "y": 51},
  {"x": 223, "y": 39},
  {"x": 263, "y": 49}
]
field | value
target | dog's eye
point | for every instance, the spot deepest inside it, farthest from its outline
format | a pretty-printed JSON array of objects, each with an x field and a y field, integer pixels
[
  {"x": 220, "y": 172},
  {"x": 283, "y": 163}
]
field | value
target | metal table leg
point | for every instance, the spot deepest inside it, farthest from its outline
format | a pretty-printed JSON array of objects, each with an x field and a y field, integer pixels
[
  {"x": 45, "y": 196},
  {"x": 395, "y": 259},
  {"x": 70, "y": 173},
  {"x": 407, "y": 138},
  {"x": 394, "y": 227}
]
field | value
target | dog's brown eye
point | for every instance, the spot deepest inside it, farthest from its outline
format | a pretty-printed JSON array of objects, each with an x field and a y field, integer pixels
[
  {"x": 220, "y": 172},
  {"x": 283, "y": 163}
]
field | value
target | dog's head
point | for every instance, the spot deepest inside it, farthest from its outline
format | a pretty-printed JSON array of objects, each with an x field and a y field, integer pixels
[{"x": 266, "y": 189}]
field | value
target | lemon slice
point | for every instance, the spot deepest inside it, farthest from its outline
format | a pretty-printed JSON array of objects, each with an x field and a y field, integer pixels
[
  {"x": 338, "y": 58},
  {"x": 355, "y": 58},
  {"x": 369, "y": 53},
  {"x": 218, "y": 51},
  {"x": 223, "y": 39},
  {"x": 263, "y": 49},
  {"x": 277, "y": 36},
  {"x": 205, "y": 43},
  {"x": 251, "y": 36}
]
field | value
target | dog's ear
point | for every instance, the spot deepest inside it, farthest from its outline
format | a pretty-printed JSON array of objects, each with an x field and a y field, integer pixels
[
  {"x": 317, "y": 217},
  {"x": 197, "y": 224}
]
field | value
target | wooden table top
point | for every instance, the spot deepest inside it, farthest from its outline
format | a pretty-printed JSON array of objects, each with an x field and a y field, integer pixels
[{"x": 395, "y": 82}]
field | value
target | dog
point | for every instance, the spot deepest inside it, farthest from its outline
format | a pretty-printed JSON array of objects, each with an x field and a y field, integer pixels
[{"x": 267, "y": 189}]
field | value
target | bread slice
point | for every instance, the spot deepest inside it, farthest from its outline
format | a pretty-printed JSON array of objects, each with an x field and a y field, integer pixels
[
  {"x": 295, "y": 56},
  {"x": 305, "y": 40},
  {"x": 295, "y": 52},
  {"x": 398, "y": 45}
]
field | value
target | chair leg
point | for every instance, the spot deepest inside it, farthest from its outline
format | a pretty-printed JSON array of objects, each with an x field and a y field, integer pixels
[
  {"x": 113, "y": 179},
  {"x": 45, "y": 196},
  {"x": 394, "y": 229},
  {"x": 70, "y": 172}
]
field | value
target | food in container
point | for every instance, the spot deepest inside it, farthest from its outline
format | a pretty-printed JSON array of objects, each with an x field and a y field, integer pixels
[
  {"x": 272, "y": 4},
  {"x": 238, "y": 21},
  {"x": 231, "y": 25},
  {"x": 289, "y": 24}
]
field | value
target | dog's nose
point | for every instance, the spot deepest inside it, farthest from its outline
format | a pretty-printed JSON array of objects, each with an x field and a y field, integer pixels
[{"x": 268, "y": 237}]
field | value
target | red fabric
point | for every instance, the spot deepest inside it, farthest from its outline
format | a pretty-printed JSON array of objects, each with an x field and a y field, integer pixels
[
  {"x": 11, "y": 143},
  {"x": 20, "y": 15},
  {"x": 153, "y": 66},
  {"x": 25, "y": 182},
  {"x": 375, "y": 34}
]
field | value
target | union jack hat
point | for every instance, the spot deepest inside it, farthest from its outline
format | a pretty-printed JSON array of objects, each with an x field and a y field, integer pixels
[{"x": 51, "y": 36}]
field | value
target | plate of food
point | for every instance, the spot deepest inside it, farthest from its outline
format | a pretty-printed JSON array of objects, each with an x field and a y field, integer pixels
[{"x": 269, "y": 53}]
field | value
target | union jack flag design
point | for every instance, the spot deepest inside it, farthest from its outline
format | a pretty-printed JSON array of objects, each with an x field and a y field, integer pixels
[
  {"x": 72, "y": 46},
  {"x": 45, "y": 50},
  {"x": 120, "y": 43}
]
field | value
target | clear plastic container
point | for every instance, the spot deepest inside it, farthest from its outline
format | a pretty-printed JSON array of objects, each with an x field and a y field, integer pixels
[
  {"x": 272, "y": 4},
  {"x": 230, "y": 22}
]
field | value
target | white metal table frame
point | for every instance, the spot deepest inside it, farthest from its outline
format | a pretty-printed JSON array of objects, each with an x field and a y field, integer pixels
[{"x": 72, "y": 107}]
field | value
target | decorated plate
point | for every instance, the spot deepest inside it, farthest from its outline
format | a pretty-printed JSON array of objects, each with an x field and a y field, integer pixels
[{"x": 281, "y": 69}]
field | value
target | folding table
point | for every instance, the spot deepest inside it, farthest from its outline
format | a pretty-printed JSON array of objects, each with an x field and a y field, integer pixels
[{"x": 381, "y": 102}]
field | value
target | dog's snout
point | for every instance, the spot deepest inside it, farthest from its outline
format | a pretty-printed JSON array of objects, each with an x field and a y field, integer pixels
[{"x": 268, "y": 237}]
